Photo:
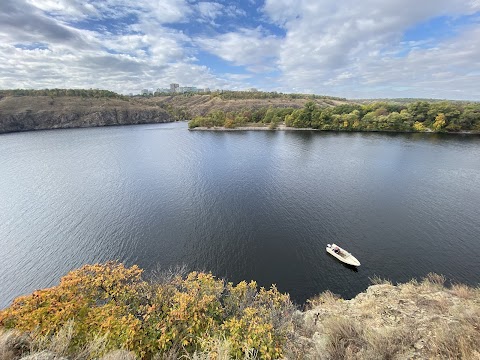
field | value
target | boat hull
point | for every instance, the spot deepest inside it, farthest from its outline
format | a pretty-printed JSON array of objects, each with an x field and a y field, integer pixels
[{"x": 344, "y": 256}]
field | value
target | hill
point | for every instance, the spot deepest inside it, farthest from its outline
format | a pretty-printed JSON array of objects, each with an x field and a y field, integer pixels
[{"x": 23, "y": 110}]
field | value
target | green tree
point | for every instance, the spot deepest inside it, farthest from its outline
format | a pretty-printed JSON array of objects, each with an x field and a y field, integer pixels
[{"x": 419, "y": 110}]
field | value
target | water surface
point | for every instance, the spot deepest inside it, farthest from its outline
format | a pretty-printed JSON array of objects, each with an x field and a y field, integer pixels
[{"x": 244, "y": 205}]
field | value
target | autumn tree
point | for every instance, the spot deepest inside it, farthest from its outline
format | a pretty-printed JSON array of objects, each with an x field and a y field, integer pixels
[{"x": 440, "y": 122}]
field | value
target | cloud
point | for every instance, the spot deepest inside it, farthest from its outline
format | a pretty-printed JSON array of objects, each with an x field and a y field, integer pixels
[
  {"x": 42, "y": 48},
  {"x": 163, "y": 11},
  {"x": 445, "y": 71},
  {"x": 345, "y": 44},
  {"x": 250, "y": 47},
  {"x": 209, "y": 10},
  {"x": 22, "y": 22},
  {"x": 344, "y": 47}
]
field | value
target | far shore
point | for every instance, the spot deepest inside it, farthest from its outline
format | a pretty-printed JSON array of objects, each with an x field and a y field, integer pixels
[
  {"x": 249, "y": 128},
  {"x": 282, "y": 127}
]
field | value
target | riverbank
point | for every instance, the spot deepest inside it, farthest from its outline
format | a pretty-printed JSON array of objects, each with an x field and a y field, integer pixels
[
  {"x": 109, "y": 312},
  {"x": 37, "y": 111},
  {"x": 253, "y": 127},
  {"x": 283, "y": 127}
]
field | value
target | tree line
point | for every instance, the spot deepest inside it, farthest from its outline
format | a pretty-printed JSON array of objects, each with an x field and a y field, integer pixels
[
  {"x": 91, "y": 93},
  {"x": 232, "y": 95},
  {"x": 417, "y": 116}
]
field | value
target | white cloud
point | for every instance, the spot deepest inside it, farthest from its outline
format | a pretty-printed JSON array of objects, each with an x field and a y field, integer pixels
[
  {"x": 326, "y": 40},
  {"x": 209, "y": 10},
  {"x": 39, "y": 50},
  {"x": 344, "y": 47},
  {"x": 250, "y": 47},
  {"x": 163, "y": 11}
]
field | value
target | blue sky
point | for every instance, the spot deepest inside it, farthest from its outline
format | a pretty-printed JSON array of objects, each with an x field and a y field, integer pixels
[{"x": 346, "y": 48}]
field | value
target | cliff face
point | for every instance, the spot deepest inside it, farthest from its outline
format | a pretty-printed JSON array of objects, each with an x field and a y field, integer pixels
[{"x": 42, "y": 112}]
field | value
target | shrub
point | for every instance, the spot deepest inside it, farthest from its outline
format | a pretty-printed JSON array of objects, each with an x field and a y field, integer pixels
[{"x": 113, "y": 307}]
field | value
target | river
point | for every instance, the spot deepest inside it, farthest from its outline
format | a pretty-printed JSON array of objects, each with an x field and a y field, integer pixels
[{"x": 243, "y": 205}]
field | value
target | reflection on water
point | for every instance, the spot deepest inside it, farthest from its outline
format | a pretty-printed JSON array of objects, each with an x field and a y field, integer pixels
[{"x": 244, "y": 205}]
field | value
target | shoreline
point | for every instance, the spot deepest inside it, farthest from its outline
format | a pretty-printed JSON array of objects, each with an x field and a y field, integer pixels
[{"x": 286, "y": 128}]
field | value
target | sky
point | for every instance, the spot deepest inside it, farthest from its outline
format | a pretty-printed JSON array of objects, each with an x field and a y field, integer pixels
[{"x": 347, "y": 48}]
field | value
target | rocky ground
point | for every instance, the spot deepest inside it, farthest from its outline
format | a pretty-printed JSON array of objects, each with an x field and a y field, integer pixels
[{"x": 409, "y": 321}]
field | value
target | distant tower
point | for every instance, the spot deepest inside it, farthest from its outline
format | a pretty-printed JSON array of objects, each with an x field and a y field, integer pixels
[{"x": 174, "y": 88}]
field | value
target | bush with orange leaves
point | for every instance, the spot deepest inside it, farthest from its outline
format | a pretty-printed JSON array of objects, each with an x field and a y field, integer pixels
[{"x": 187, "y": 313}]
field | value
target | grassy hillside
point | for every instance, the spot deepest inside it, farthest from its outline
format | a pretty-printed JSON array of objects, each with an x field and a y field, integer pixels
[{"x": 112, "y": 312}]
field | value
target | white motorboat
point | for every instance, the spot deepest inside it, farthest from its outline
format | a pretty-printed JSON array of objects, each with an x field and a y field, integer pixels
[{"x": 342, "y": 255}]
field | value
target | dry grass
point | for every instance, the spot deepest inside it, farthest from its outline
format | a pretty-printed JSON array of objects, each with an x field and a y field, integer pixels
[
  {"x": 345, "y": 338},
  {"x": 388, "y": 344},
  {"x": 173, "y": 353},
  {"x": 462, "y": 291},
  {"x": 219, "y": 349},
  {"x": 13, "y": 345},
  {"x": 454, "y": 341},
  {"x": 119, "y": 355},
  {"x": 377, "y": 280},
  {"x": 60, "y": 343},
  {"x": 327, "y": 298},
  {"x": 434, "y": 282},
  {"x": 370, "y": 308},
  {"x": 409, "y": 288},
  {"x": 416, "y": 320},
  {"x": 43, "y": 355}
]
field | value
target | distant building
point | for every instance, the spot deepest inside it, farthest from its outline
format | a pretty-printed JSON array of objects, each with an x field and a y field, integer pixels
[{"x": 174, "y": 88}]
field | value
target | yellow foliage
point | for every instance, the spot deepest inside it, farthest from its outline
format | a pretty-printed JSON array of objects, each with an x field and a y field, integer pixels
[
  {"x": 418, "y": 126},
  {"x": 440, "y": 122},
  {"x": 229, "y": 123},
  {"x": 112, "y": 301},
  {"x": 251, "y": 331}
]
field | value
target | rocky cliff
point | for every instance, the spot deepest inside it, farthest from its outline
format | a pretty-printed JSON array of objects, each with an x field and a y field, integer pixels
[{"x": 24, "y": 113}]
